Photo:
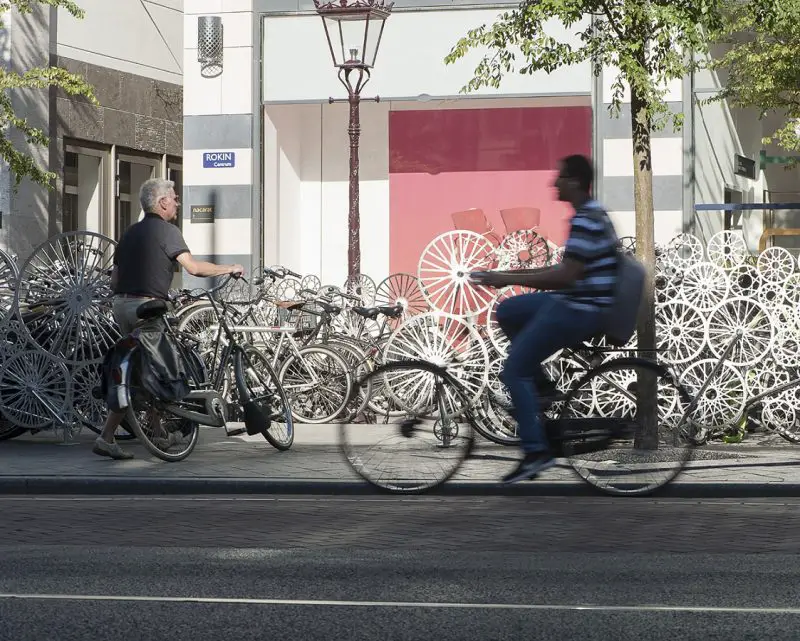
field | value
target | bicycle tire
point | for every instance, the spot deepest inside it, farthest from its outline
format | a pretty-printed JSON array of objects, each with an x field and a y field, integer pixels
[
  {"x": 359, "y": 366},
  {"x": 614, "y": 378},
  {"x": 294, "y": 395},
  {"x": 453, "y": 443},
  {"x": 140, "y": 401},
  {"x": 274, "y": 438}
]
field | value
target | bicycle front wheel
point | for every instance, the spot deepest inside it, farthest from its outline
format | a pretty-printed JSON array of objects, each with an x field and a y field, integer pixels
[
  {"x": 266, "y": 391},
  {"x": 427, "y": 445},
  {"x": 625, "y": 427},
  {"x": 317, "y": 381}
]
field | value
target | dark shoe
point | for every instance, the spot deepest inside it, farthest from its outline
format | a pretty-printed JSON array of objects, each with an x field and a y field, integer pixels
[
  {"x": 111, "y": 450},
  {"x": 529, "y": 467}
]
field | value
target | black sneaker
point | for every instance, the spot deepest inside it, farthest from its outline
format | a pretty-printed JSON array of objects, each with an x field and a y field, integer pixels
[{"x": 529, "y": 467}]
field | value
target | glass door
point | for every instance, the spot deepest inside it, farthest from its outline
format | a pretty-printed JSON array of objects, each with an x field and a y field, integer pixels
[{"x": 133, "y": 169}]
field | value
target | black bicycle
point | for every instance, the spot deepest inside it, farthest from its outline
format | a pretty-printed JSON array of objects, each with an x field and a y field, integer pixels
[
  {"x": 623, "y": 425},
  {"x": 170, "y": 430}
]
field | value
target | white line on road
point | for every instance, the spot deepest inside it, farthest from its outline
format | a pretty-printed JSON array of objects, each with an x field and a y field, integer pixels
[{"x": 402, "y": 604}]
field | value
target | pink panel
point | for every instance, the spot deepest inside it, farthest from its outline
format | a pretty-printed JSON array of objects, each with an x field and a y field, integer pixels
[
  {"x": 445, "y": 161},
  {"x": 420, "y": 207}
]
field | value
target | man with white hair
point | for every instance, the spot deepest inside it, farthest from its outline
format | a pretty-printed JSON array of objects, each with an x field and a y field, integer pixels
[{"x": 144, "y": 263}]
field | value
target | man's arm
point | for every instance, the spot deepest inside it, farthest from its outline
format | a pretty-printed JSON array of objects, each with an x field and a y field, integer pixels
[
  {"x": 561, "y": 276},
  {"x": 205, "y": 269}
]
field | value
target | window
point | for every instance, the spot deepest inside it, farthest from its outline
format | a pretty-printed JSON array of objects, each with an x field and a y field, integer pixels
[
  {"x": 85, "y": 187},
  {"x": 101, "y": 185}
]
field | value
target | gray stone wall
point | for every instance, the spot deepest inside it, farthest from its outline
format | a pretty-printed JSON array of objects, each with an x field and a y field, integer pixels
[{"x": 135, "y": 112}]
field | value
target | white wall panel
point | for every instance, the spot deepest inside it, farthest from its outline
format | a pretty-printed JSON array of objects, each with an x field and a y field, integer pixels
[
  {"x": 237, "y": 81},
  {"x": 237, "y": 29},
  {"x": 203, "y": 7},
  {"x": 667, "y": 156},
  {"x": 139, "y": 37},
  {"x": 201, "y": 96},
  {"x": 232, "y": 91},
  {"x": 224, "y": 237},
  {"x": 195, "y": 174},
  {"x": 410, "y": 61},
  {"x": 667, "y": 224}
]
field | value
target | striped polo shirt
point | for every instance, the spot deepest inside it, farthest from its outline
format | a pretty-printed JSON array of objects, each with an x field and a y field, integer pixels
[{"x": 593, "y": 242}]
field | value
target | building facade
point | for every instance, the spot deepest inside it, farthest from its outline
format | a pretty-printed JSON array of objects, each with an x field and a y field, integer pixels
[
  {"x": 131, "y": 52},
  {"x": 427, "y": 151}
]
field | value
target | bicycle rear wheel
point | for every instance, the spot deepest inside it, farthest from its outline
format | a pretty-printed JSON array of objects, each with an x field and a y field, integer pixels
[
  {"x": 166, "y": 436},
  {"x": 427, "y": 445},
  {"x": 606, "y": 434}
]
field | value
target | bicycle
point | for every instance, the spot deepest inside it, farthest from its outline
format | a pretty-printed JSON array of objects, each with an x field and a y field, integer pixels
[
  {"x": 435, "y": 435},
  {"x": 259, "y": 395}
]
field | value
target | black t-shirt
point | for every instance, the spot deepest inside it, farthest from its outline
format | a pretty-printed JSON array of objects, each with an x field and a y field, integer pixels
[{"x": 145, "y": 257}]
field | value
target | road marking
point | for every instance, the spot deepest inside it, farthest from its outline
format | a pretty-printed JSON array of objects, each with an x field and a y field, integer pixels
[{"x": 403, "y": 604}]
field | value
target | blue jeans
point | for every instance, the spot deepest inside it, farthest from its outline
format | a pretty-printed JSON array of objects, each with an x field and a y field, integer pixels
[{"x": 538, "y": 325}]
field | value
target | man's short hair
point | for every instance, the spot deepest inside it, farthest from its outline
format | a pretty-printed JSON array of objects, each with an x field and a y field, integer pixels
[
  {"x": 152, "y": 191},
  {"x": 579, "y": 168}
]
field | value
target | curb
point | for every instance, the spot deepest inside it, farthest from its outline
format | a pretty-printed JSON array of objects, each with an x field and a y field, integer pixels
[{"x": 107, "y": 486}]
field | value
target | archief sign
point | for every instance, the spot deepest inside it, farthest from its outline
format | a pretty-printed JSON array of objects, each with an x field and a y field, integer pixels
[{"x": 218, "y": 159}]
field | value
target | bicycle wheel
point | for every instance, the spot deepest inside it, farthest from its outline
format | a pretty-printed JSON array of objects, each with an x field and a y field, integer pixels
[
  {"x": 611, "y": 447},
  {"x": 317, "y": 381},
  {"x": 265, "y": 390},
  {"x": 424, "y": 448},
  {"x": 163, "y": 434},
  {"x": 359, "y": 366}
]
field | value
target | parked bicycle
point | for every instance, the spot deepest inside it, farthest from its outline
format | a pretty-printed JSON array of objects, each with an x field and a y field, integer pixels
[{"x": 170, "y": 430}]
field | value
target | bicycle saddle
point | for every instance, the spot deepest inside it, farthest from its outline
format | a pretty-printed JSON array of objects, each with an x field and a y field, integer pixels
[
  {"x": 374, "y": 312},
  {"x": 151, "y": 309},
  {"x": 289, "y": 304}
]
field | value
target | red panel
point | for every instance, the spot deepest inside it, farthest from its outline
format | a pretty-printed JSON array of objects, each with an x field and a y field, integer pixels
[{"x": 444, "y": 161}]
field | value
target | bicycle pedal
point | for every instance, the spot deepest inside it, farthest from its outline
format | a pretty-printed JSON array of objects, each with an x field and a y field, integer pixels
[{"x": 237, "y": 431}]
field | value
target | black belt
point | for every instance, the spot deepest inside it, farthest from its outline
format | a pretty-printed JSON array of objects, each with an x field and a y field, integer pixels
[{"x": 137, "y": 296}]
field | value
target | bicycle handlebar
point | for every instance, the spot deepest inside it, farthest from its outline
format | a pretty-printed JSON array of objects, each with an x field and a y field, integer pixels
[{"x": 199, "y": 292}]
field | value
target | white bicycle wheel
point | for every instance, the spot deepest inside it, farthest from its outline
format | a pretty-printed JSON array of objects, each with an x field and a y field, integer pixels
[
  {"x": 745, "y": 280},
  {"x": 35, "y": 390},
  {"x": 444, "y": 269},
  {"x": 722, "y": 402},
  {"x": 523, "y": 249},
  {"x": 704, "y": 286},
  {"x": 776, "y": 264},
  {"x": 748, "y": 319},
  {"x": 446, "y": 341},
  {"x": 681, "y": 334},
  {"x": 64, "y": 297},
  {"x": 727, "y": 249},
  {"x": 495, "y": 333},
  {"x": 683, "y": 251}
]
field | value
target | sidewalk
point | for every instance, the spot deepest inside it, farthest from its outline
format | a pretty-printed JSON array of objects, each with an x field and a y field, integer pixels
[{"x": 39, "y": 464}]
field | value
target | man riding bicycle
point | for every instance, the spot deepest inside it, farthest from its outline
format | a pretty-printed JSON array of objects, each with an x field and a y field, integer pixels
[
  {"x": 144, "y": 264},
  {"x": 540, "y": 324}
]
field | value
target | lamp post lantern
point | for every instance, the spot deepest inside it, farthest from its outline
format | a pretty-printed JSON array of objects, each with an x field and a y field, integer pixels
[{"x": 354, "y": 29}]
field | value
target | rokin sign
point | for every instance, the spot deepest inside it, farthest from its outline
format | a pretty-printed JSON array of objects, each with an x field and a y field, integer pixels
[{"x": 219, "y": 159}]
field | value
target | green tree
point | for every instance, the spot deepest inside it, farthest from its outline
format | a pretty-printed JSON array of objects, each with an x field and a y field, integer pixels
[
  {"x": 650, "y": 43},
  {"x": 761, "y": 62},
  {"x": 20, "y": 163}
]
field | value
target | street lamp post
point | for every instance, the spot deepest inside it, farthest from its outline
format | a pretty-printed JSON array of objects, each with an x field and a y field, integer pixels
[{"x": 354, "y": 29}]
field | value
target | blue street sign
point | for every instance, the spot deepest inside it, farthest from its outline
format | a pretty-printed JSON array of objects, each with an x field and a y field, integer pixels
[{"x": 218, "y": 159}]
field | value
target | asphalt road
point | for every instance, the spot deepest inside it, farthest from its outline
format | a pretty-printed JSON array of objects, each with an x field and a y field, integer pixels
[{"x": 148, "y": 568}]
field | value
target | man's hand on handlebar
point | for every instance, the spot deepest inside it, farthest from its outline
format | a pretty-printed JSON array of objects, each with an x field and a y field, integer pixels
[
  {"x": 236, "y": 271},
  {"x": 490, "y": 279}
]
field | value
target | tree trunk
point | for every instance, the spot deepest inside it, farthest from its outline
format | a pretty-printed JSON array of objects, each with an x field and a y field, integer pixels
[{"x": 647, "y": 402}]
